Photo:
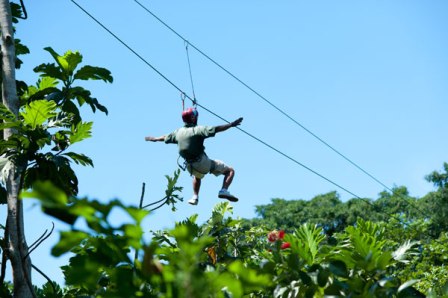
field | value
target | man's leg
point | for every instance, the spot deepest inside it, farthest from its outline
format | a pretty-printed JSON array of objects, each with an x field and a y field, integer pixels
[
  {"x": 196, "y": 187},
  {"x": 224, "y": 193},
  {"x": 228, "y": 178}
]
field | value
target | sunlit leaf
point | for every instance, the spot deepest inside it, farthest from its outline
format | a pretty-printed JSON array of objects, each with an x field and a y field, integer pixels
[
  {"x": 67, "y": 62},
  {"x": 46, "y": 82},
  {"x": 137, "y": 214},
  {"x": 81, "y": 132},
  {"x": 68, "y": 240},
  {"x": 48, "y": 194},
  {"x": 401, "y": 253},
  {"x": 38, "y": 112},
  {"x": 407, "y": 284}
]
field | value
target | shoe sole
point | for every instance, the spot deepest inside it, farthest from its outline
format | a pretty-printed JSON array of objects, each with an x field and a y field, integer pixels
[
  {"x": 193, "y": 203},
  {"x": 230, "y": 198}
]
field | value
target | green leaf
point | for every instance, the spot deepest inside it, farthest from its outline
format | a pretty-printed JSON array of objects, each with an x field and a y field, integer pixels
[
  {"x": 84, "y": 96},
  {"x": 81, "y": 132},
  {"x": 70, "y": 108},
  {"x": 68, "y": 241},
  {"x": 5, "y": 125},
  {"x": 79, "y": 158},
  {"x": 68, "y": 62},
  {"x": 94, "y": 73},
  {"x": 38, "y": 112},
  {"x": 338, "y": 268},
  {"x": 6, "y": 114},
  {"x": 46, "y": 82},
  {"x": 50, "y": 70},
  {"x": 137, "y": 214},
  {"x": 48, "y": 194},
  {"x": 403, "y": 251},
  {"x": 306, "y": 279},
  {"x": 407, "y": 284},
  {"x": 250, "y": 278},
  {"x": 306, "y": 242},
  {"x": 322, "y": 277},
  {"x": 50, "y": 93}
]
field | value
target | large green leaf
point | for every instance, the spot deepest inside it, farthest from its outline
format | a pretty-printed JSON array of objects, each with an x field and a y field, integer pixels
[
  {"x": 46, "y": 82},
  {"x": 306, "y": 242},
  {"x": 404, "y": 251},
  {"x": 68, "y": 240},
  {"x": 50, "y": 70},
  {"x": 94, "y": 73},
  {"x": 84, "y": 96},
  {"x": 81, "y": 131},
  {"x": 68, "y": 62},
  {"x": 79, "y": 158},
  {"x": 38, "y": 112},
  {"x": 4, "y": 125},
  {"x": 48, "y": 194}
]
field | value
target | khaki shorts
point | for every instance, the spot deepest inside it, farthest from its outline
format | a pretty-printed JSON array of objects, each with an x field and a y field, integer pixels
[{"x": 204, "y": 166}]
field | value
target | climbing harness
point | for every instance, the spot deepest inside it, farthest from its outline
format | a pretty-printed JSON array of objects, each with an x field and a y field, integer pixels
[{"x": 189, "y": 163}]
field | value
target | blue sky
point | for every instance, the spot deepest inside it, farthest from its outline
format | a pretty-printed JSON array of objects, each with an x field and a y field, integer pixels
[{"x": 368, "y": 77}]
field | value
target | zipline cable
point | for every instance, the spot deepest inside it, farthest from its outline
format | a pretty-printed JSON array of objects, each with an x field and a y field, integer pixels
[
  {"x": 218, "y": 116},
  {"x": 273, "y": 105},
  {"x": 208, "y": 110}
]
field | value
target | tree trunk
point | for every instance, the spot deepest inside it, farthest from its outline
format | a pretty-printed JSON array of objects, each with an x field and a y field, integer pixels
[{"x": 17, "y": 247}]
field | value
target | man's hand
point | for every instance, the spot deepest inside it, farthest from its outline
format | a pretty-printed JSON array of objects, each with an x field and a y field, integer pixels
[{"x": 237, "y": 122}]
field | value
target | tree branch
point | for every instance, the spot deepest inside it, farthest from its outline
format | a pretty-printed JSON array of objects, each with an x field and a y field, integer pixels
[
  {"x": 156, "y": 202},
  {"x": 46, "y": 277},
  {"x": 39, "y": 241},
  {"x": 143, "y": 194}
]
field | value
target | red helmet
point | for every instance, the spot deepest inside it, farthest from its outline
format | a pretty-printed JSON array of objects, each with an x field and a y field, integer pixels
[{"x": 190, "y": 116}]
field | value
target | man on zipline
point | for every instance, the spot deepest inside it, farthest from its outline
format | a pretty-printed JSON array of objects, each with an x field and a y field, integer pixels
[{"x": 190, "y": 141}]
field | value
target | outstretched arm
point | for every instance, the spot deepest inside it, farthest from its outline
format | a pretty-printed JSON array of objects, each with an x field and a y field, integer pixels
[
  {"x": 155, "y": 139},
  {"x": 224, "y": 127}
]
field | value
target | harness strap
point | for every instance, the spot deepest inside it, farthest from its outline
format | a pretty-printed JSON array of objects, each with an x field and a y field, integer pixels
[{"x": 184, "y": 166}]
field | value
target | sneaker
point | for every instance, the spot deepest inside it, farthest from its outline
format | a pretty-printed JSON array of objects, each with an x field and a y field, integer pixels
[
  {"x": 194, "y": 200},
  {"x": 225, "y": 194}
]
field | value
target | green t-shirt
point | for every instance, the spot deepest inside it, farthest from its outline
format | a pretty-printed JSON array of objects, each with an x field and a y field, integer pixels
[{"x": 190, "y": 140}]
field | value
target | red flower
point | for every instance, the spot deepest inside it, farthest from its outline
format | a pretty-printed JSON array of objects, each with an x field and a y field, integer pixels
[
  {"x": 276, "y": 235},
  {"x": 281, "y": 234},
  {"x": 273, "y": 236},
  {"x": 285, "y": 245}
]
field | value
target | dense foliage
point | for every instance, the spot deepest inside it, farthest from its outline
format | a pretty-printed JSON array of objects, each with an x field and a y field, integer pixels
[
  {"x": 223, "y": 257},
  {"x": 394, "y": 246}
]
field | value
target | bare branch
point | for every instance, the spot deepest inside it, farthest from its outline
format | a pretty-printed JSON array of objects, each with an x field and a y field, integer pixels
[
  {"x": 46, "y": 277},
  {"x": 156, "y": 202},
  {"x": 155, "y": 208},
  {"x": 40, "y": 240},
  {"x": 143, "y": 194}
]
